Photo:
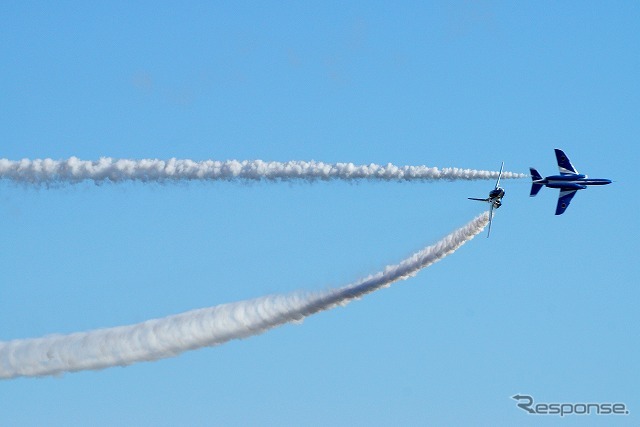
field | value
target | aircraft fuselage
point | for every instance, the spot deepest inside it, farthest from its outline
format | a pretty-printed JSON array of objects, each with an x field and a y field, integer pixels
[
  {"x": 571, "y": 182},
  {"x": 498, "y": 193}
]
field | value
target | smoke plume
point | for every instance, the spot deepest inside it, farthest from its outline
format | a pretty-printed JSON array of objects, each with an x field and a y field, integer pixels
[
  {"x": 161, "y": 338},
  {"x": 74, "y": 170}
]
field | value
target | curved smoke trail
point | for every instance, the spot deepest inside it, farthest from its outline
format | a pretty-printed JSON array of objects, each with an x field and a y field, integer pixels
[
  {"x": 74, "y": 170},
  {"x": 160, "y": 338}
]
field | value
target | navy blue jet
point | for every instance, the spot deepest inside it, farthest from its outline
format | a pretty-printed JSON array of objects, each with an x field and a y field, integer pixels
[
  {"x": 569, "y": 181},
  {"x": 494, "y": 199}
]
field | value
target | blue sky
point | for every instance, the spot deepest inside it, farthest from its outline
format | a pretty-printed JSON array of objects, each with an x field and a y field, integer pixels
[{"x": 547, "y": 306}]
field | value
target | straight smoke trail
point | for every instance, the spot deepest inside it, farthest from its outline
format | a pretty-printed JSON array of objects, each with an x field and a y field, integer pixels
[
  {"x": 161, "y": 338},
  {"x": 74, "y": 170}
]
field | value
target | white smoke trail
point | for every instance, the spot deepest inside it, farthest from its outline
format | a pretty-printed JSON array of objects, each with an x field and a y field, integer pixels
[
  {"x": 160, "y": 338},
  {"x": 74, "y": 170}
]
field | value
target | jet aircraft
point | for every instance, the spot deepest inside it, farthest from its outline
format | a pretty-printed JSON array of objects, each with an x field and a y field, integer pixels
[
  {"x": 494, "y": 199},
  {"x": 569, "y": 181}
]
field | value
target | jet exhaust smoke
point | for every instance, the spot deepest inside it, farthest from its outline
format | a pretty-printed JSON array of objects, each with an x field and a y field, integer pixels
[
  {"x": 161, "y": 338},
  {"x": 106, "y": 169}
]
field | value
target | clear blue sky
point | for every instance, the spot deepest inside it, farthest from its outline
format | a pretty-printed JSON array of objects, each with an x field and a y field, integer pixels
[{"x": 547, "y": 306}]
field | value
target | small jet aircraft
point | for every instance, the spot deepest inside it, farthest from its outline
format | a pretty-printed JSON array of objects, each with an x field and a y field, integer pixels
[
  {"x": 494, "y": 199},
  {"x": 569, "y": 181}
]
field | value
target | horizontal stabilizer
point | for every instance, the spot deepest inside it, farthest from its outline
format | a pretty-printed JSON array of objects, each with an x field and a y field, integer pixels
[
  {"x": 535, "y": 176},
  {"x": 534, "y": 189}
]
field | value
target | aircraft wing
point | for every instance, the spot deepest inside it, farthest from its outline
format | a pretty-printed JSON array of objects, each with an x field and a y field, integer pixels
[
  {"x": 490, "y": 219},
  {"x": 480, "y": 200},
  {"x": 564, "y": 199},
  {"x": 499, "y": 175},
  {"x": 564, "y": 164}
]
